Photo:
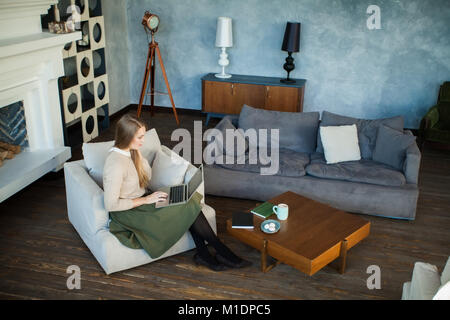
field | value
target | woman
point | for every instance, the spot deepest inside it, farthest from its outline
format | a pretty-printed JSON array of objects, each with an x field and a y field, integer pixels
[{"x": 134, "y": 219}]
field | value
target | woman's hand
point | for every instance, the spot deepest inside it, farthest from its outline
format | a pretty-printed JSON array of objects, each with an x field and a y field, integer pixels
[{"x": 157, "y": 196}]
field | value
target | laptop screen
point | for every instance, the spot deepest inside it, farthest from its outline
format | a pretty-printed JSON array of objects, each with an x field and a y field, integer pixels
[{"x": 195, "y": 181}]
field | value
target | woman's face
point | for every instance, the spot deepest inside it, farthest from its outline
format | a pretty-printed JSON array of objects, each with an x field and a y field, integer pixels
[{"x": 138, "y": 139}]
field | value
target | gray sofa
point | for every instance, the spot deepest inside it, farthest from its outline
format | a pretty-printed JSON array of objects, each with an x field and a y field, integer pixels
[{"x": 364, "y": 186}]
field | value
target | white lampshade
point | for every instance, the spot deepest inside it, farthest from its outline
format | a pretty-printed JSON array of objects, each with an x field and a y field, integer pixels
[{"x": 224, "y": 35}]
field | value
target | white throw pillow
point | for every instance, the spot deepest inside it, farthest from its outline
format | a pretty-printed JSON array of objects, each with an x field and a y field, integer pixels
[
  {"x": 95, "y": 154},
  {"x": 340, "y": 143},
  {"x": 168, "y": 169}
]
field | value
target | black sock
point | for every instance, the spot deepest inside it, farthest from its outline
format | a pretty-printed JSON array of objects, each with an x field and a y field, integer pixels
[
  {"x": 202, "y": 249},
  {"x": 201, "y": 231}
]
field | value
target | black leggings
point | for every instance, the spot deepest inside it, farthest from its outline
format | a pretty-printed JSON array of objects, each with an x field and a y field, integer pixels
[{"x": 201, "y": 231}]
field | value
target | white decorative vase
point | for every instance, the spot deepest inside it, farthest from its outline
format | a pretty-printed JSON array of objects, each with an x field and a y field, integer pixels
[{"x": 223, "y": 62}]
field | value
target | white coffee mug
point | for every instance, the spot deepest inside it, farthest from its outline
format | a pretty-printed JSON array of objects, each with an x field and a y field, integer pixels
[{"x": 282, "y": 211}]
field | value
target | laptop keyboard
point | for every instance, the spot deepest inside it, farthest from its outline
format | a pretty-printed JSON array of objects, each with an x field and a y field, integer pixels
[{"x": 176, "y": 194}]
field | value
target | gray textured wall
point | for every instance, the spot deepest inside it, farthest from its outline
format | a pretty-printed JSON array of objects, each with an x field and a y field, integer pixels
[
  {"x": 350, "y": 70},
  {"x": 116, "y": 52}
]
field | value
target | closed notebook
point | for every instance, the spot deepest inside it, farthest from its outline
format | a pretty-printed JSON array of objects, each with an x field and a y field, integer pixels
[
  {"x": 242, "y": 220},
  {"x": 264, "y": 210}
]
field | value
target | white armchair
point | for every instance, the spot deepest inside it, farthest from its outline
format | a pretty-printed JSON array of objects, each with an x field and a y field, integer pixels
[
  {"x": 427, "y": 284},
  {"x": 90, "y": 219}
]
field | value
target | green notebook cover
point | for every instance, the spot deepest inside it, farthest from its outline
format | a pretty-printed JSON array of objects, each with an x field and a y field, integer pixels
[{"x": 264, "y": 210}]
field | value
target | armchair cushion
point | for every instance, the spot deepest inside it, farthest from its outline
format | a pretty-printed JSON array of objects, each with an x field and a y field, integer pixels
[
  {"x": 168, "y": 169},
  {"x": 95, "y": 154}
]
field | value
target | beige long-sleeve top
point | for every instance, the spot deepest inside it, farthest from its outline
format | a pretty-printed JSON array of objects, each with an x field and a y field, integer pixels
[{"x": 121, "y": 181}]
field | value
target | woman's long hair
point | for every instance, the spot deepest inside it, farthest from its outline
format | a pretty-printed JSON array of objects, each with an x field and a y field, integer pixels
[{"x": 126, "y": 128}]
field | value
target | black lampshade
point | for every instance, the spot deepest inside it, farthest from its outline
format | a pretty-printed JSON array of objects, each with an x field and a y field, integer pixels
[{"x": 291, "y": 40}]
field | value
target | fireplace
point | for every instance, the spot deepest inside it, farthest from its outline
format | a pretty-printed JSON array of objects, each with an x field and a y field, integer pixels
[
  {"x": 31, "y": 62},
  {"x": 13, "y": 131}
]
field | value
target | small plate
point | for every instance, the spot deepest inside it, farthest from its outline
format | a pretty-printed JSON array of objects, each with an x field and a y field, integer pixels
[{"x": 266, "y": 222}]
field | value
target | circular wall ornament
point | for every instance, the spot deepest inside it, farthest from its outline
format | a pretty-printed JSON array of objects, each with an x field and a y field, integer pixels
[
  {"x": 90, "y": 124},
  {"x": 85, "y": 67},
  {"x": 72, "y": 103}
]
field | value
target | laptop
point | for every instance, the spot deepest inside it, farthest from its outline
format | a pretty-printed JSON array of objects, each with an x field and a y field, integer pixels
[{"x": 182, "y": 193}]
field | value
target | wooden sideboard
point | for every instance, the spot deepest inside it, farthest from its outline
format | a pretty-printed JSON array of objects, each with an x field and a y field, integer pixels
[{"x": 227, "y": 96}]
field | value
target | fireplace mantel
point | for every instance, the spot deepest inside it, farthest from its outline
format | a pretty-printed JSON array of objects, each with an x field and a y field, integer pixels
[
  {"x": 31, "y": 62},
  {"x": 44, "y": 40},
  {"x": 22, "y": 17}
]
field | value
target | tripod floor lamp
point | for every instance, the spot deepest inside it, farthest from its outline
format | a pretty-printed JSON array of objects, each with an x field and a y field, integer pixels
[{"x": 151, "y": 22}]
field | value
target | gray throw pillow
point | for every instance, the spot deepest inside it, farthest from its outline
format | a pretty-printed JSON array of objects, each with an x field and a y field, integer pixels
[
  {"x": 391, "y": 147},
  {"x": 297, "y": 130},
  {"x": 367, "y": 130},
  {"x": 225, "y": 145}
]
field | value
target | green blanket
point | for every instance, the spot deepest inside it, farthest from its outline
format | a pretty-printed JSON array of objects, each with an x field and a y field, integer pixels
[{"x": 155, "y": 230}]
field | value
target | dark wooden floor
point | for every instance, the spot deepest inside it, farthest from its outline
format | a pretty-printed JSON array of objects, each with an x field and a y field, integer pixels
[{"x": 37, "y": 244}]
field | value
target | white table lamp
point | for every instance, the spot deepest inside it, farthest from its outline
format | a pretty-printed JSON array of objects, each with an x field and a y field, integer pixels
[{"x": 224, "y": 39}]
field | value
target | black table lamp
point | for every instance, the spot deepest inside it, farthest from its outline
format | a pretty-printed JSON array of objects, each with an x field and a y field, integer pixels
[{"x": 291, "y": 43}]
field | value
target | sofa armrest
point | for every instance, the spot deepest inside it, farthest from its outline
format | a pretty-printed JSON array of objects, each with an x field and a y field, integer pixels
[
  {"x": 85, "y": 204},
  {"x": 411, "y": 165}
]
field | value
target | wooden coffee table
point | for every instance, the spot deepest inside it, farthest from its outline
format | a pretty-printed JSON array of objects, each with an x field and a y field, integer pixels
[{"x": 313, "y": 236}]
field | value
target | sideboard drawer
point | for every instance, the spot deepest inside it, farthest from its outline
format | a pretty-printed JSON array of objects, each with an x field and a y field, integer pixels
[
  {"x": 217, "y": 96},
  {"x": 227, "y": 96},
  {"x": 284, "y": 99}
]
